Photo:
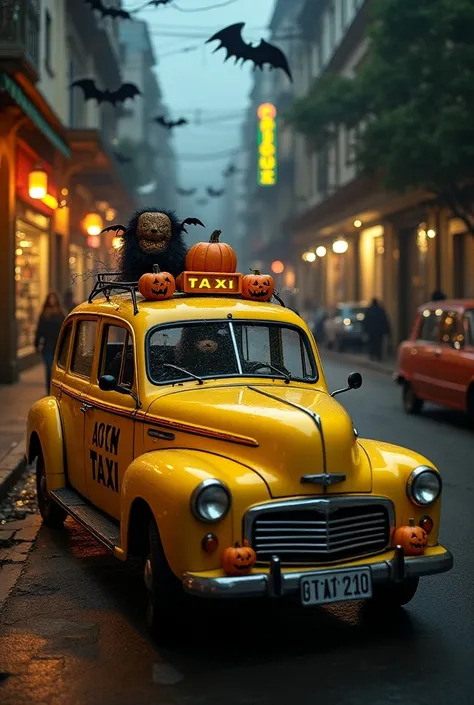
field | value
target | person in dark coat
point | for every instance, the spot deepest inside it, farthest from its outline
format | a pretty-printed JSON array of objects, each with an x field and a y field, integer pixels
[
  {"x": 376, "y": 327},
  {"x": 47, "y": 332}
]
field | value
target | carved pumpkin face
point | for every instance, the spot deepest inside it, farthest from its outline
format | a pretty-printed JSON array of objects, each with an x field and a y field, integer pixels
[
  {"x": 259, "y": 287},
  {"x": 153, "y": 232},
  {"x": 412, "y": 539},
  {"x": 156, "y": 286},
  {"x": 238, "y": 560}
]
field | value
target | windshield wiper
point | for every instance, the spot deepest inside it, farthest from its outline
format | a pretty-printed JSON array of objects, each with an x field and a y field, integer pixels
[
  {"x": 186, "y": 372},
  {"x": 285, "y": 375}
]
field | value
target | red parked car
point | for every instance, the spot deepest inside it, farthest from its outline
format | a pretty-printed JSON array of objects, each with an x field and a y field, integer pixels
[{"x": 437, "y": 363}]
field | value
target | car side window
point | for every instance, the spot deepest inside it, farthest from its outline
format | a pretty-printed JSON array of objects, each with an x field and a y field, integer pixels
[
  {"x": 451, "y": 329},
  {"x": 429, "y": 329},
  {"x": 117, "y": 355},
  {"x": 469, "y": 326},
  {"x": 64, "y": 346},
  {"x": 84, "y": 345}
]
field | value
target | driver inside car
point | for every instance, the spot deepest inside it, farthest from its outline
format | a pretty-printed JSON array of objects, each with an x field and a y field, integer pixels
[{"x": 206, "y": 351}]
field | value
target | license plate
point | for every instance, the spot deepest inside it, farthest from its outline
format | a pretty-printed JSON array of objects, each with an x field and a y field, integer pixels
[{"x": 336, "y": 586}]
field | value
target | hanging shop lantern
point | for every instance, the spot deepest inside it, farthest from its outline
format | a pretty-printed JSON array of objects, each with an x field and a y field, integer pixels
[
  {"x": 340, "y": 246},
  {"x": 38, "y": 183},
  {"x": 93, "y": 223}
]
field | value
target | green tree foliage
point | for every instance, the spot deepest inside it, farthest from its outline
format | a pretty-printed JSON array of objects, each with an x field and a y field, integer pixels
[{"x": 414, "y": 96}]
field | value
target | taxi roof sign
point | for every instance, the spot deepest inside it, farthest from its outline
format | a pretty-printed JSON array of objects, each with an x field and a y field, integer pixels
[{"x": 219, "y": 283}]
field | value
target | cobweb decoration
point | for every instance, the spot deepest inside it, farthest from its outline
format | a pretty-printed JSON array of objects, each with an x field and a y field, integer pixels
[{"x": 97, "y": 266}]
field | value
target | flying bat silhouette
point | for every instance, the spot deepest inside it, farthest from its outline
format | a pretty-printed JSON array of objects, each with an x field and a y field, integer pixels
[
  {"x": 231, "y": 169},
  {"x": 186, "y": 192},
  {"x": 230, "y": 39},
  {"x": 91, "y": 92},
  {"x": 214, "y": 193},
  {"x": 169, "y": 124},
  {"x": 158, "y": 2},
  {"x": 108, "y": 11},
  {"x": 122, "y": 159}
]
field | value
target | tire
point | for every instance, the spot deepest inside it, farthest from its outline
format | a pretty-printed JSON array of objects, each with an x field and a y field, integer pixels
[
  {"x": 393, "y": 595},
  {"x": 51, "y": 513},
  {"x": 164, "y": 591},
  {"x": 411, "y": 403}
]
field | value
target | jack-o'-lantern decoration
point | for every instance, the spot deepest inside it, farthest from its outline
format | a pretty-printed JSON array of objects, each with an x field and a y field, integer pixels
[
  {"x": 258, "y": 287},
  {"x": 212, "y": 256},
  {"x": 156, "y": 286},
  {"x": 412, "y": 539},
  {"x": 238, "y": 560}
]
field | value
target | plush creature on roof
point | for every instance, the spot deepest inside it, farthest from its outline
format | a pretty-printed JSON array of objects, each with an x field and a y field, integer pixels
[{"x": 153, "y": 236}]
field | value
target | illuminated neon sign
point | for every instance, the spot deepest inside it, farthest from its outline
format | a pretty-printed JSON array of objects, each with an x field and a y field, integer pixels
[{"x": 267, "y": 147}]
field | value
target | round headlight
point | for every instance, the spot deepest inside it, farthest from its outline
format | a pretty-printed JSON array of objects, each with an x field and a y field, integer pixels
[
  {"x": 424, "y": 486},
  {"x": 210, "y": 501}
]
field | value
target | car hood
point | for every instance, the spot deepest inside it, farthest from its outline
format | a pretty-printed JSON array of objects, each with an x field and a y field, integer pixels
[{"x": 297, "y": 432}]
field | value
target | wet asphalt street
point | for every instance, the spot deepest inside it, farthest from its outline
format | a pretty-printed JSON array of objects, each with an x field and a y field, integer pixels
[{"x": 72, "y": 632}]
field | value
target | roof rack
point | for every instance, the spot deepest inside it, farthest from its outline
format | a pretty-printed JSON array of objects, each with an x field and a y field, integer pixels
[{"x": 102, "y": 286}]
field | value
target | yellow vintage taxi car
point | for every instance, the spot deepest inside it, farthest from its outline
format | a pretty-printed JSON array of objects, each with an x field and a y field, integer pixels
[{"x": 176, "y": 429}]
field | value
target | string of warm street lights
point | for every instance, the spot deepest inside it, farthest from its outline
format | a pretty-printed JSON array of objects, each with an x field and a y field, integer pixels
[{"x": 339, "y": 247}]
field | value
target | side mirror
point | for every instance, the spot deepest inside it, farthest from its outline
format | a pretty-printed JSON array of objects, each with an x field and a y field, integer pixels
[
  {"x": 107, "y": 383},
  {"x": 354, "y": 381}
]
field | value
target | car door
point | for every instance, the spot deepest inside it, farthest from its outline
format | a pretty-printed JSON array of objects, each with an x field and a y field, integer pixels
[
  {"x": 75, "y": 382},
  {"x": 110, "y": 419},
  {"x": 425, "y": 351},
  {"x": 449, "y": 364}
]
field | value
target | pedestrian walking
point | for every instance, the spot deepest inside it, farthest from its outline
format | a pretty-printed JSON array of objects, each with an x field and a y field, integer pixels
[
  {"x": 376, "y": 328},
  {"x": 47, "y": 332},
  {"x": 438, "y": 295}
]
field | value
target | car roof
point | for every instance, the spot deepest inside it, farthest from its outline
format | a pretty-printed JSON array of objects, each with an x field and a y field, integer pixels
[
  {"x": 458, "y": 304},
  {"x": 185, "y": 308}
]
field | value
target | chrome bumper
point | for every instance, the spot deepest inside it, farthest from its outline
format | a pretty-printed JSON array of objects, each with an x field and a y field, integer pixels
[{"x": 278, "y": 584}]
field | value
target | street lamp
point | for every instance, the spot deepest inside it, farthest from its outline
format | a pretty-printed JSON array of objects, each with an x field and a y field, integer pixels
[
  {"x": 277, "y": 267},
  {"x": 38, "y": 183},
  {"x": 357, "y": 223},
  {"x": 93, "y": 223},
  {"x": 309, "y": 256},
  {"x": 340, "y": 246},
  {"x": 431, "y": 233},
  {"x": 321, "y": 251},
  {"x": 117, "y": 243}
]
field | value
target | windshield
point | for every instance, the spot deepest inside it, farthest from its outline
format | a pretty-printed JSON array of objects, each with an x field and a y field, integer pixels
[{"x": 229, "y": 349}]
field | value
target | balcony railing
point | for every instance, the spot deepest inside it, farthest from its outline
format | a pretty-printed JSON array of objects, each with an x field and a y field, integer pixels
[{"x": 19, "y": 37}]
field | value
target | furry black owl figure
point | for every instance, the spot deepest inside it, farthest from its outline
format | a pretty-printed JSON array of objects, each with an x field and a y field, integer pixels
[{"x": 153, "y": 236}]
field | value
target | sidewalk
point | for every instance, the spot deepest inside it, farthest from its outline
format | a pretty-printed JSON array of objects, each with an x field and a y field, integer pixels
[
  {"x": 359, "y": 360},
  {"x": 15, "y": 403}
]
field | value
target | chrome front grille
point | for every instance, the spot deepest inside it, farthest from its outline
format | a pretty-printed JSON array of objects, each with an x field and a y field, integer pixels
[{"x": 320, "y": 530}]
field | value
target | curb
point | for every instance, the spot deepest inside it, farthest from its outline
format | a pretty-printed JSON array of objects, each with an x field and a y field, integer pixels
[
  {"x": 12, "y": 466},
  {"x": 357, "y": 361}
]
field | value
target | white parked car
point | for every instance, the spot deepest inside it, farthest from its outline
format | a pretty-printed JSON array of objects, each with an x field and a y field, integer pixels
[{"x": 344, "y": 326}]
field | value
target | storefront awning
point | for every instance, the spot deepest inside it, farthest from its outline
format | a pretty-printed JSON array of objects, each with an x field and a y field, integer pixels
[{"x": 17, "y": 94}]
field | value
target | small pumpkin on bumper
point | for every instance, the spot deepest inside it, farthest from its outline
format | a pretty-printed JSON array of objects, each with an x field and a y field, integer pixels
[
  {"x": 412, "y": 539},
  {"x": 238, "y": 560}
]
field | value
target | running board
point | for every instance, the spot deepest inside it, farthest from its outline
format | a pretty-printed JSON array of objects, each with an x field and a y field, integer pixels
[{"x": 103, "y": 529}]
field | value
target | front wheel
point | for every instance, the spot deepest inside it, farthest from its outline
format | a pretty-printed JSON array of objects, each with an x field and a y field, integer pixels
[
  {"x": 411, "y": 403},
  {"x": 51, "y": 513},
  {"x": 165, "y": 594},
  {"x": 393, "y": 595}
]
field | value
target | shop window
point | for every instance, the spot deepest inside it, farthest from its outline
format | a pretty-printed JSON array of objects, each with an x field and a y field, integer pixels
[
  {"x": 429, "y": 329},
  {"x": 84, "y": 344},
  {"x": 31, "y": 282},
  {"x": 117, "y": 357},
  {"x": 64, "y": 347}
]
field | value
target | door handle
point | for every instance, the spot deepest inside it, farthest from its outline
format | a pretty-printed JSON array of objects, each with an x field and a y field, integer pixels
[{"x": 85, "y": 407}]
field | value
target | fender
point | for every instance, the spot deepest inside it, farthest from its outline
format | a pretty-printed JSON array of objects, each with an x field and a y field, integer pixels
[
  {"x": 391, "y": 468},
  {"x": 165, "y": 480},
  {"x": 44, "y": 432}
]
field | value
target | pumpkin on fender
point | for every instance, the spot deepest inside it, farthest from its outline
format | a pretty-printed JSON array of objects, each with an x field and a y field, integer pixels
[
  {"x": 238, "y": 560},
  {"x": 412, "y": 539},
  {"x": 258, "y": 287},
  {"x": 212, "y": 256},
  {"x": 156, "y": 286}
]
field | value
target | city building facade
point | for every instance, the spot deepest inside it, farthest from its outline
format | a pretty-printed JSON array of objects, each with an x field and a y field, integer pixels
[{"x": 352, "y": 240}]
